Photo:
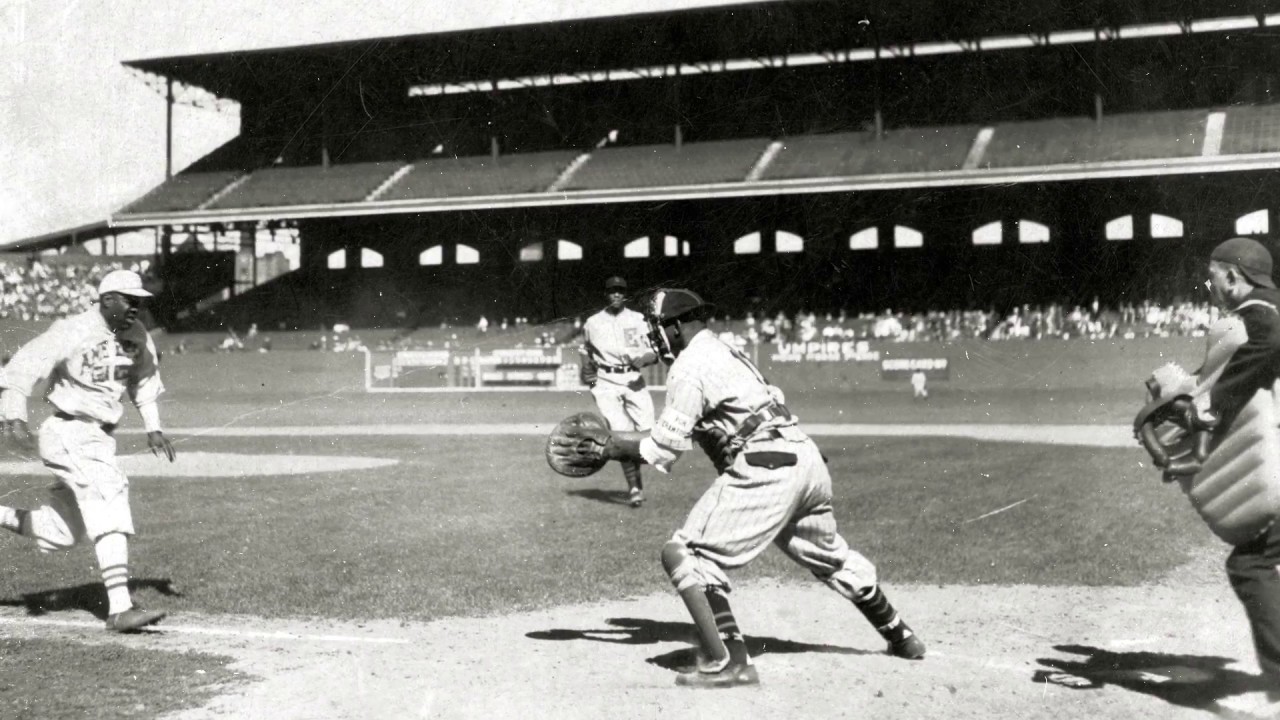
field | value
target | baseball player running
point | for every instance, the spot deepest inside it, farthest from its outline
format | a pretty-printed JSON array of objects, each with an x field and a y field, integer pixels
[
  {"x": 773, "y": 486},
  {"x": 92, "y": 360},
  {"x": 614, "y": 349}
]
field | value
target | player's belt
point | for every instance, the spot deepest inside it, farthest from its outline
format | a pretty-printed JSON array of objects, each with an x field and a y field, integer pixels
[
  {"x": 615, "y": 368},
  {"x": 107, "y": 428}
]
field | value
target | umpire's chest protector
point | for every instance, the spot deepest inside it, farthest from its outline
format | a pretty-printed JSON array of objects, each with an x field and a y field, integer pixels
[{"x": 1238, "y": 490}]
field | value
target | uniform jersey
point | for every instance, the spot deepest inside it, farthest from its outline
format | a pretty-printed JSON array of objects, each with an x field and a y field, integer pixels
[
  {"x": 712, "y": 388},
  {"x": 614, "y": 341},
  {"x": 89, "y": 369}
]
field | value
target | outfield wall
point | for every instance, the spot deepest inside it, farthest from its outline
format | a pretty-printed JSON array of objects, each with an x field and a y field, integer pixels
[{"x": 973, "y": 366}]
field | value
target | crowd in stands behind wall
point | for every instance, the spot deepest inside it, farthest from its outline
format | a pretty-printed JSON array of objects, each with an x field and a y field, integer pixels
[
  {"x": 1027, "y": 322},
  {"x": 35, "y": 290}
]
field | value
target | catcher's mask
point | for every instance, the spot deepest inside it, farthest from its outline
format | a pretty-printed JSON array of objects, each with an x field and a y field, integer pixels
[{"x": 666, "y": 309}]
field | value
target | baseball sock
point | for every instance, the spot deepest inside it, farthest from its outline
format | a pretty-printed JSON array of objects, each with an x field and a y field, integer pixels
[
  {"x": 881, "y": 614},
  {"x": 631, "y": 471},
  {"x": 727, "y": 625},
  {"x": 112, "y": 550}
]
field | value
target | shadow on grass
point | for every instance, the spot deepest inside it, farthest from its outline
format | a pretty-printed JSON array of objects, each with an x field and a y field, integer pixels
[
  {"x": 90, "y": 597},
  {"x": 1192, "y": 681},
  {"x": 611, "y": 497},
  {"x": 639, "y": 631}
]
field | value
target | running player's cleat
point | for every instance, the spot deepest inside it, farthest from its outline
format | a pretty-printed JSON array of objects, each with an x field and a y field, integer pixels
[
  {"x": 637, "y": 498},
  {"x": 133, "y": 619}
]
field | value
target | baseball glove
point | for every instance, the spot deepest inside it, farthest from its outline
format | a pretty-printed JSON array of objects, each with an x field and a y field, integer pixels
[
  {"x": 1174, "y": 433},
  {"x": 577, "y": 446}
]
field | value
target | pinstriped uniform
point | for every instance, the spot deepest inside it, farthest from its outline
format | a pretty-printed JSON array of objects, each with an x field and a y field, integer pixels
[
  {"x": 613, "y": 341},
  {"x": 712, "y": 387}
]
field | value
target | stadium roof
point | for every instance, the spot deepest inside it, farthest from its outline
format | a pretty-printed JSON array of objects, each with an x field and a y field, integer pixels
[{"x": 760, "y": 29}]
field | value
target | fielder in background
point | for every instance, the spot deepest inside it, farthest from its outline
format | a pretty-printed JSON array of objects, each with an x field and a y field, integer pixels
[
  {"x": 614, "y": 349},
  {"x": 919, "y": 391},
  {"x": 92, "y": 360},
  {"x": 773, "y": 486}
]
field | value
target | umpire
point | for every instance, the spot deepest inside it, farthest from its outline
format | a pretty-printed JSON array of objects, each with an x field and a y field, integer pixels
[{"x": 1240, "y": 282}]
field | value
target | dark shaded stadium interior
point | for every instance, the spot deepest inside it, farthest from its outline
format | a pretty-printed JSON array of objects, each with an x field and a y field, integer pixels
[
  {"x": 1077, "y": 265},
  {"x": 346, "y": 107}
]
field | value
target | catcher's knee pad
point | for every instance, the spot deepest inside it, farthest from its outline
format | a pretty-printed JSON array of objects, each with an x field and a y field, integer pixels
[
  {"x": 851, "y": 586},
  {"x": 51, "y": 530},
  {"x": 681, "y": 565},
  {"x": 687, "y": 569}
]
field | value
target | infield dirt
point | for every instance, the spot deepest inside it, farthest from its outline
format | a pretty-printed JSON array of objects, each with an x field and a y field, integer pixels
[{"x": 1166, "y": 650}]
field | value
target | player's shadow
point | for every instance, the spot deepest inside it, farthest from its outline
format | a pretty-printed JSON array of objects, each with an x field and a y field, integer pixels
[
  {"x": 639, "y": 631},
  {"x": 1192, "y": 681},
  {"x": 611, "y": 497},
  {"x": 90, "y": 597}
]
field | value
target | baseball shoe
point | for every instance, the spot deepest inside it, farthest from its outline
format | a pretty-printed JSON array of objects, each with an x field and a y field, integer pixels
[
  {"x": 907, "y": 645},
  {"x": 133, "y": 619},
  {"x": 723, "y": 674},
  {"x": 637, "y": 497}
]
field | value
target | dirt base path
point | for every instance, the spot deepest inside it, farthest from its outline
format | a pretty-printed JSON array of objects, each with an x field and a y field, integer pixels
[{"x": 1161, "y": 652}]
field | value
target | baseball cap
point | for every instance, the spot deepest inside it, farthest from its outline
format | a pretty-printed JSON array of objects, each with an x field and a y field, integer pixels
[
  {"x": 615, "y": 282},
  {"x": 125, "y": 282},
  {"x": 1251, "y": 256},
  {"x": 674, "y": 303}
]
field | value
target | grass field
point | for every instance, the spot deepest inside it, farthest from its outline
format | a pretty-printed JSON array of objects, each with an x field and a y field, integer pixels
[{"x": 465, "y": 529}]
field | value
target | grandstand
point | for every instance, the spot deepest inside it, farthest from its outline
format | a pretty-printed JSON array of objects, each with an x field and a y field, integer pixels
[{"x": 787, "y": 155}]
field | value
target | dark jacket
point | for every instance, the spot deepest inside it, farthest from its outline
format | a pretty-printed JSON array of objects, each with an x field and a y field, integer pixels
[{"x": 1255, "y": 364}]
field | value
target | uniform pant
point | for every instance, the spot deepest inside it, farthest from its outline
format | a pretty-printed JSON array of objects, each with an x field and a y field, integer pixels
[
  {"x": 750, "y": 506},
  {"x": 91, "y": 497},
  {"x": 1254, "y": 571},
  {"x": 623, "y": 408}
]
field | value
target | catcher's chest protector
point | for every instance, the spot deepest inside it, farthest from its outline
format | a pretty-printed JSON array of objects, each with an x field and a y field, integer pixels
[{"x": 1237, "y": 492}]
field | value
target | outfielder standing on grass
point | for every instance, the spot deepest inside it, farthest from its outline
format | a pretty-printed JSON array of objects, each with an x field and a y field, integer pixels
[
  {"x": 92, "y": 360},
  {"x": 773, "y": 486},
  {"x": 613, "y": 351}
]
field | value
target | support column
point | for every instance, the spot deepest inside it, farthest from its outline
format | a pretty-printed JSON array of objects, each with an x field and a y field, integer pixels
[{"x": 168, "y": 132}]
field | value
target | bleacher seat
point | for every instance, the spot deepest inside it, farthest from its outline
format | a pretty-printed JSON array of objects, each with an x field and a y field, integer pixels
[
  {"x": 480, "y": 175},
  {"x": 1137, "y": 136},
  {"x": 185, "y": 191},
  {"x": 718, "y": 161},
  {"x": 1251, "y": 129},
  {"x": 904, "y": 150},
  {"x": 311, "y": 185}
]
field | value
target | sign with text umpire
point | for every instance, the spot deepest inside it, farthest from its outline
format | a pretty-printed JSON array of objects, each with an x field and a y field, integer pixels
[{"x": 903, "y": 368}]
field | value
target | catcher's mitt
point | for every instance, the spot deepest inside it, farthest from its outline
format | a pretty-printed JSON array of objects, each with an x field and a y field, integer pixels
[
  {"x": 577, "y": 446},
  {"x": 1175, "y": 435}
]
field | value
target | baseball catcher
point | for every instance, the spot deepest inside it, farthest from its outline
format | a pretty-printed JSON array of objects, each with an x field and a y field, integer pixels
[
  {"x": 773, "y": 487},
  {"x": 1215, "y": 434}
]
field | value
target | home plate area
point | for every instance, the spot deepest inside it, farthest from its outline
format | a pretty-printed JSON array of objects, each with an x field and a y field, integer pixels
[{"x": 198, "y": 464}]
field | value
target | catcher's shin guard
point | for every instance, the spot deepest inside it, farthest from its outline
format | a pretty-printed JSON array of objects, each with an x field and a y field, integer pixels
[{"x": 681, "y": 567}]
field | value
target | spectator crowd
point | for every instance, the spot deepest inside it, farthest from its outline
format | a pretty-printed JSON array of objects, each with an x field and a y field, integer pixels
[
  {"x": 35, "y": 290},
  {"x": 1027, "y": 322}
]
